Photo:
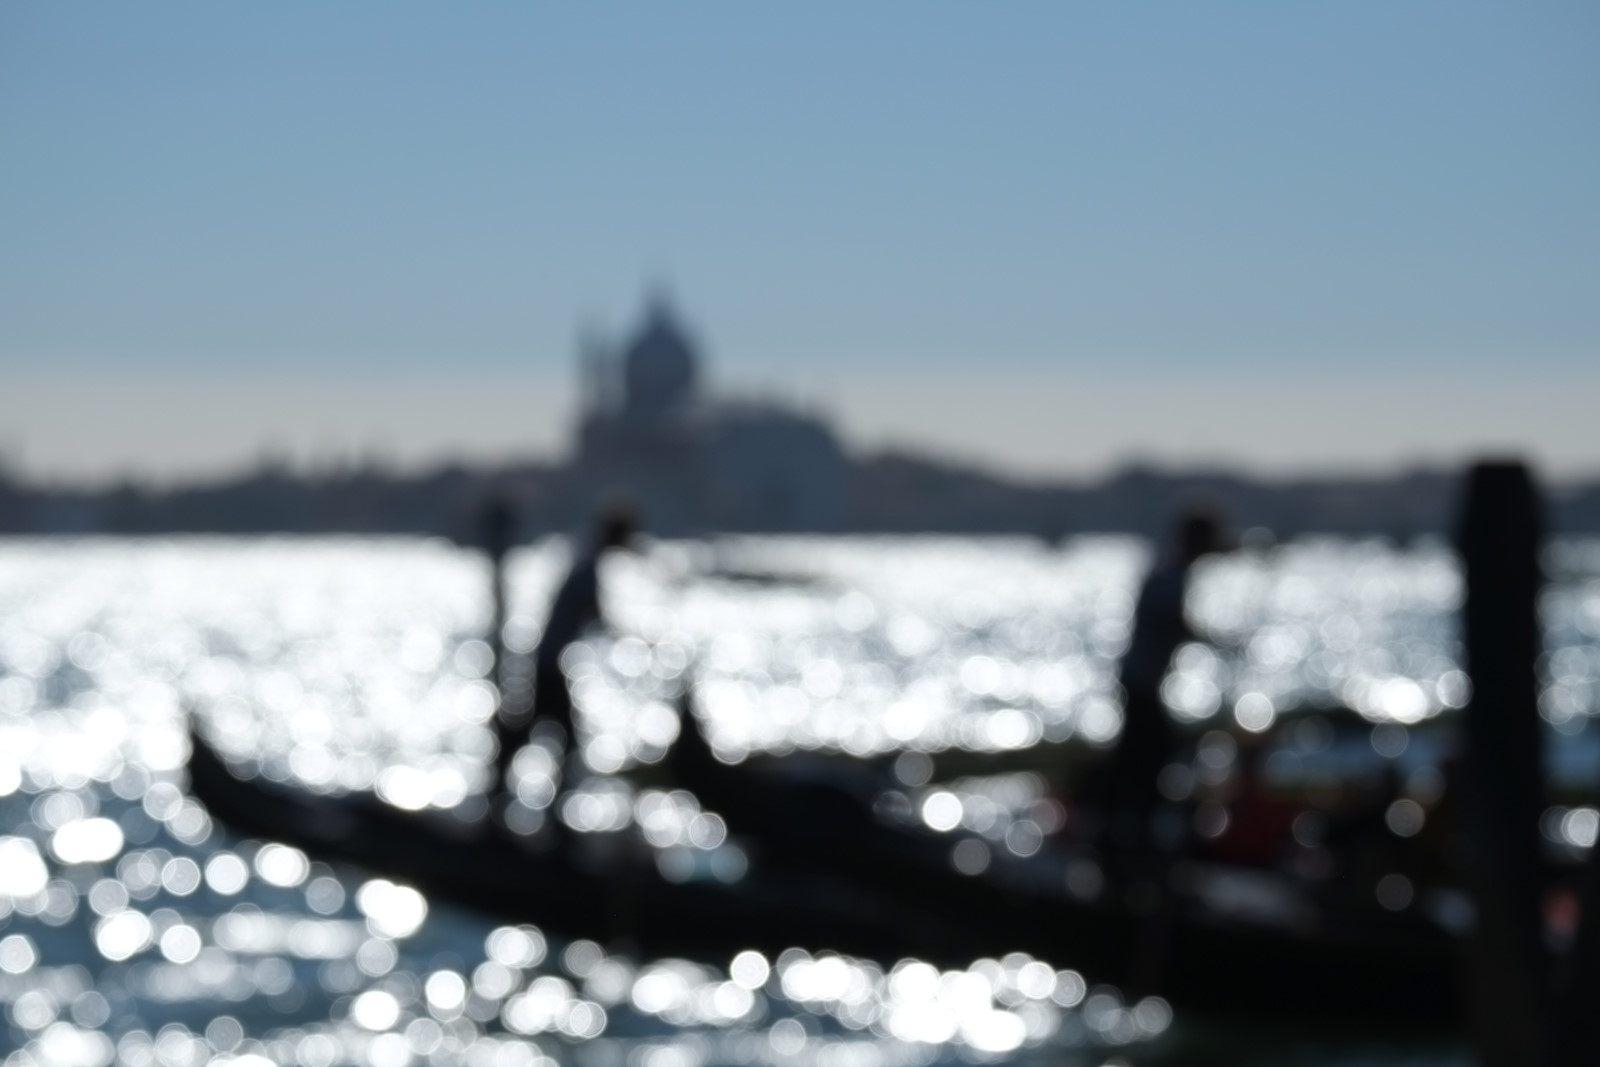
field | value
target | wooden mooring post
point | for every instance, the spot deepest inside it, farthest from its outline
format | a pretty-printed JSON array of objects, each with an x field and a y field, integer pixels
[
  {"x": 499, "y": 519},
  {"x": 497, "y": 523},
  {"x": 1509, "y": 991}
]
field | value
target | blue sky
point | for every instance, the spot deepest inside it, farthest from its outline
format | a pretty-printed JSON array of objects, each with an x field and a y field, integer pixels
[{"x": 1046, "y": 237}]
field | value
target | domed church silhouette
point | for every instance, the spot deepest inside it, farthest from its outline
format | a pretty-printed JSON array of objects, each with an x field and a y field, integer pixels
[{"x": 690, "y": 462}]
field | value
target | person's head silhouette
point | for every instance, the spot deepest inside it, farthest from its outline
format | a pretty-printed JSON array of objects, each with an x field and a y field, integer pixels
[
  {"x": 616, "y": 527},
  {"x": 1199, "y": 533}
]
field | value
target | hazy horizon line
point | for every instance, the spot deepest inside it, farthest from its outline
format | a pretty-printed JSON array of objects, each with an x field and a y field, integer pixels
[{"x": 312, "y": 467}]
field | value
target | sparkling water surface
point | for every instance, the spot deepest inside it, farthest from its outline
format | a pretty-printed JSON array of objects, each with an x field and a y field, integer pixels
[{"x": 134, "y": 930}]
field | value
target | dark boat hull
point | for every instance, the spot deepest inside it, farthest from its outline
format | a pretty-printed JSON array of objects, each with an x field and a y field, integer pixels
[
  {"x": 872, "y": 895},
  {"x": 623, "y": 898},
  {"x": 1368, "y": 962}
]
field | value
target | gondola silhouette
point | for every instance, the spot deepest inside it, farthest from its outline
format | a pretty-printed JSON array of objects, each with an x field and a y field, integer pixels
[{"x": 827, "y": 874}]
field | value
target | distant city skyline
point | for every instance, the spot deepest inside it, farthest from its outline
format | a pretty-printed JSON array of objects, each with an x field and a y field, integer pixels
[
  {"x": 62, "y": 433},
  {"x": 1046, "y": 240}
]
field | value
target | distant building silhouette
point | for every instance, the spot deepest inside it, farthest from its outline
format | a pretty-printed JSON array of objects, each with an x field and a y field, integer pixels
[{"x": 691, "y": 463}]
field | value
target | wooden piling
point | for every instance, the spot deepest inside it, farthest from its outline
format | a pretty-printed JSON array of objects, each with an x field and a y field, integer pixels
[
  {"x": 498, "y": 521},
  {"x": 1499, "y": 538}
]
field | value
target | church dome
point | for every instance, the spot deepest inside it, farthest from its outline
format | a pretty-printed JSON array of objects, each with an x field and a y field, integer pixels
[{"x": 659, "y": 366}]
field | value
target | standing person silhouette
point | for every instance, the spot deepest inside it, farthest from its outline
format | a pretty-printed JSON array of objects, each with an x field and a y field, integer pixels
[
  {"x": 575, "y": 607},
  {"x": 1159, "y": 627}
]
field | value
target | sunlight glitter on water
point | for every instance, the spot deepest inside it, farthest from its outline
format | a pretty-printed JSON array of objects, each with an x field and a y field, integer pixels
[
  {"x": 138, "y": 931},
  {"x": 359, "y": 665},
  {"x": 134, "y": 930}
]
